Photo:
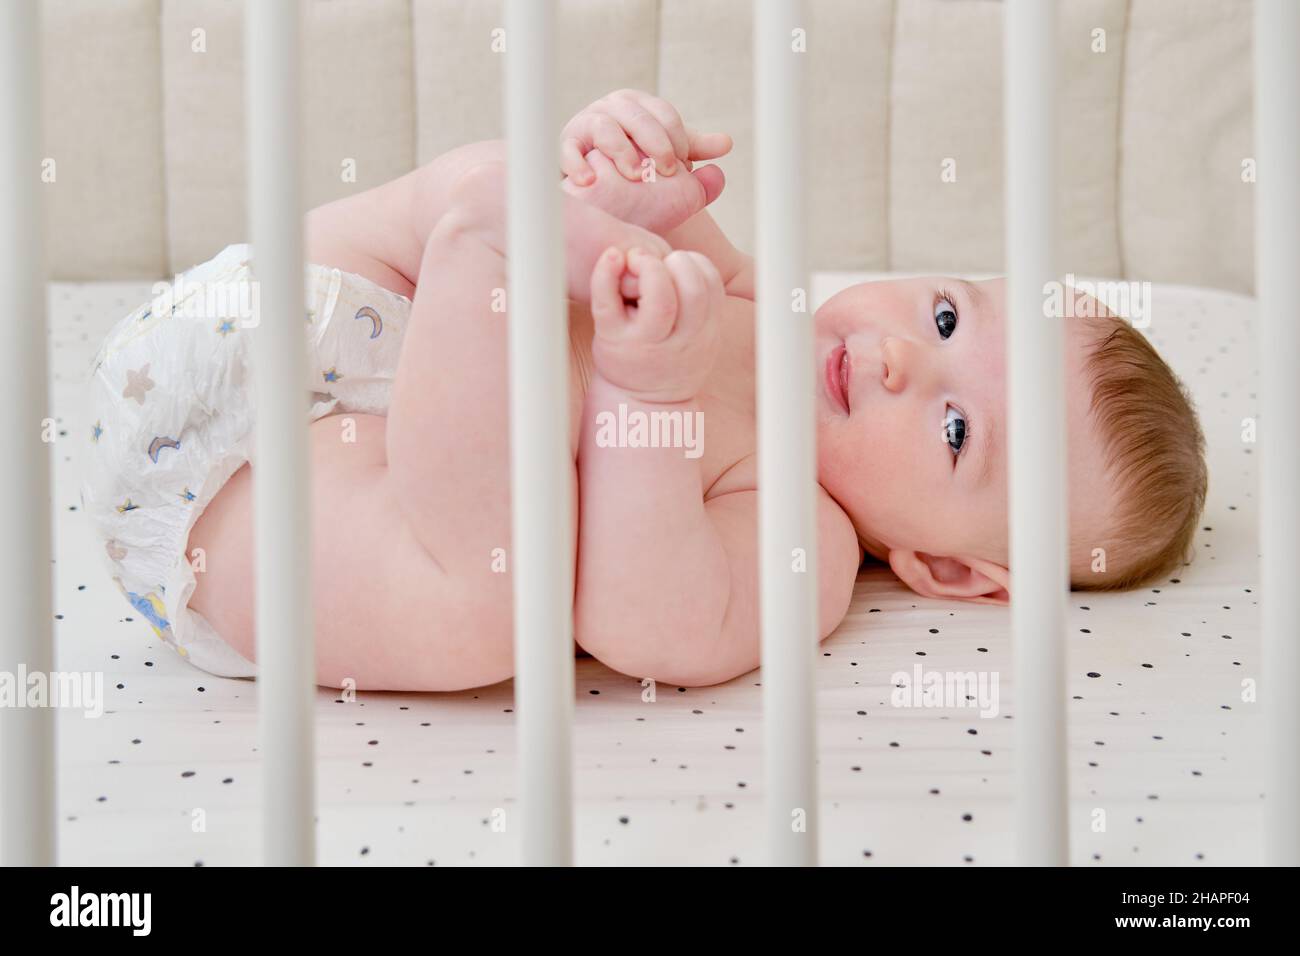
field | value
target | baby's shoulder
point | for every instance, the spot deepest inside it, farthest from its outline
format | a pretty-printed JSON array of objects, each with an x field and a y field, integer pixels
[{"x": 839, "y": 557}]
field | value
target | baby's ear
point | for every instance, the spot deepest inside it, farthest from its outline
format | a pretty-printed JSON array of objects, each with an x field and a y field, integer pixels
[{"x": 963, "y": 577}]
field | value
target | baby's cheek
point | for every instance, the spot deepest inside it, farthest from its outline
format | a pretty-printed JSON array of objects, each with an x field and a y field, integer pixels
[{"x": 841, "y": 458}]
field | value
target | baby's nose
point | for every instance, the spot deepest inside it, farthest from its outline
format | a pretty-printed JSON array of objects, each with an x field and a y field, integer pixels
[
  {"x": 905, "y": 363},
  {"x": 894, "y": 365}
]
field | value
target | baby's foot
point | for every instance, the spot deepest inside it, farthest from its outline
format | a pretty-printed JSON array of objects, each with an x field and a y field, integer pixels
[
  {"x": 656, "y": 202},
  {"x": 479, "y": 203}
]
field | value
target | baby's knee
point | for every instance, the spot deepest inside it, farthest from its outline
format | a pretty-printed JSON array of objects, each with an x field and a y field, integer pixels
[
  {"x": 476, "y": 204},
  {"x": 483, "y": 182}
]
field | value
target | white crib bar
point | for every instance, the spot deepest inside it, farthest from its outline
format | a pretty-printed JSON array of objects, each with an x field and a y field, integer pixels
[
  {"x": 1277, "y": 255},
  {"x": 541, "y": 472},
  {"x": 787, "y": 441},
  {"x": 281, "y": 468},
  {"x": 1036, "y": 426},
  {"x": 27, "y": 794}
]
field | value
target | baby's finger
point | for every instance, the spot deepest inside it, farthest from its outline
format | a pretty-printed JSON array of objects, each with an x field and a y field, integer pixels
[
  {"x": 656, "y": 308},
  {"x": 572, "y": 163},
  {"x": 717, "y": 292},
  {"x": 630, "y": 286},
  {"x": 646, "y": 131},
  {"x": 708, "y": 145},
  {"x": 607, "y": 172},
  {"x": 607, "y": 307},
  {"x": 607, "y": 135},
  {"x": 692, "y": 290},
  {"x": 672, "y": 123}
]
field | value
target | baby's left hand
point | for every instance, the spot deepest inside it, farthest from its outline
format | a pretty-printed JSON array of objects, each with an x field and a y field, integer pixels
[{"x": 657, "y": 322}]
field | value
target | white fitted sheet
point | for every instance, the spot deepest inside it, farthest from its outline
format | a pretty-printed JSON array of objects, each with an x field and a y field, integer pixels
[{"x": 1169, "y": 752}]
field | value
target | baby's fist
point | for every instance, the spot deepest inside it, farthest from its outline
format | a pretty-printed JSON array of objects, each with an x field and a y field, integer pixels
[{"x": 657, "y": 331}]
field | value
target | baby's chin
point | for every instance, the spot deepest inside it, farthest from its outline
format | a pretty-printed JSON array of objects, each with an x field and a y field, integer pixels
[{"x": 873, "y": 548}]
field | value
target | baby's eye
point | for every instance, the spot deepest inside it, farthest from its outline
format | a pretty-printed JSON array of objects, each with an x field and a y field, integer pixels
[
  {"x": 954, "y": 430},
  {"x": 945, "y": 317}
]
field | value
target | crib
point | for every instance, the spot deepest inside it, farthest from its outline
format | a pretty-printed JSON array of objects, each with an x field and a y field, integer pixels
[{"x": 830, "y": 781}]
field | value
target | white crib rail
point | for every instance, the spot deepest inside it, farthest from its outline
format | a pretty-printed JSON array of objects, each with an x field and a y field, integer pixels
[
  {"x": 1277, "y": 254},
  {"x": 1036, "y": 435},
  {"x": 541, "y": 478},
  {"x": 281, "y": 471},
  {"x": 27, "y": 794},
  {"x": 787, "y": 440}
]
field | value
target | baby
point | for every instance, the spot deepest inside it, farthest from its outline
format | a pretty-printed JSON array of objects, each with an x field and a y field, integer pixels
[{"x": 410, "y": 436}]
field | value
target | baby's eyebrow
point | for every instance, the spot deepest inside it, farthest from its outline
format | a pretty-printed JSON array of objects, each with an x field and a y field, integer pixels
[
  {"x": 986, "y": 442},
  {"x": 986, "y": 436},
  {"x": 973, "y": 293}
]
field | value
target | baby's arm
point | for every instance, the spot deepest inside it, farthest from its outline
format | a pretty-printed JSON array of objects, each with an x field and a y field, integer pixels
[
  {"x": 701, "y": 233},
  {"x": 381, "y": 233},
  {"x": 661, "y": 573}
]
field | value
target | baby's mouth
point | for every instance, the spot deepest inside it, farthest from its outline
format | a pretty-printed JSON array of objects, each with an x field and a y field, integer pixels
[{"x": 838, "y": 370}]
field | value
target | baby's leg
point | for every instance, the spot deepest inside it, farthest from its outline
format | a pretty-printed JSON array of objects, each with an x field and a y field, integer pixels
[
  {"x": 448, "y": 434},
  {"x": 382, "y": 616},
  {"x": 448, "y": 428},
  {"x": 411, "y": 592}
]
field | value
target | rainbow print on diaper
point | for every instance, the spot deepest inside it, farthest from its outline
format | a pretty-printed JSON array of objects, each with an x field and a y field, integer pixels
[{"x": 151, "y": 608}]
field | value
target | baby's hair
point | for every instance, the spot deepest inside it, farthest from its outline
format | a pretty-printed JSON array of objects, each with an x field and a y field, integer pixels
[{"x": 1155, "y": 460}]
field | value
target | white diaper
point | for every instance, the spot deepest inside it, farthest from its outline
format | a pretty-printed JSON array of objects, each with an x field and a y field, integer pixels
[{"x": 171, "y": 398}]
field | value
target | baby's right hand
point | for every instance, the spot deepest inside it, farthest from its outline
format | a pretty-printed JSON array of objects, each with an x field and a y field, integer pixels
[
  {"x": 657, "y": 322},
  {"x": 630, "y": 154}
]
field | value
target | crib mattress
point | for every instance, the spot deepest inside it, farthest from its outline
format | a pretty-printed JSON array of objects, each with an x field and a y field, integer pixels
[{"x": 1164, "y": 754}]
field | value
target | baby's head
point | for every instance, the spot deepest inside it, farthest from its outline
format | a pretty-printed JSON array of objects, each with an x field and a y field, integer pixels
[{"x": 918, "y": 459}]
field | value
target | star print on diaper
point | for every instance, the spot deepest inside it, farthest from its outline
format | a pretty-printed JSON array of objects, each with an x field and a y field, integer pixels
[
  {"x": 225, "y": 327},
  {"x": 137, "y": 383},
  {"x": 96, "y": 432},
  {"x": 331, "y": 375}
]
